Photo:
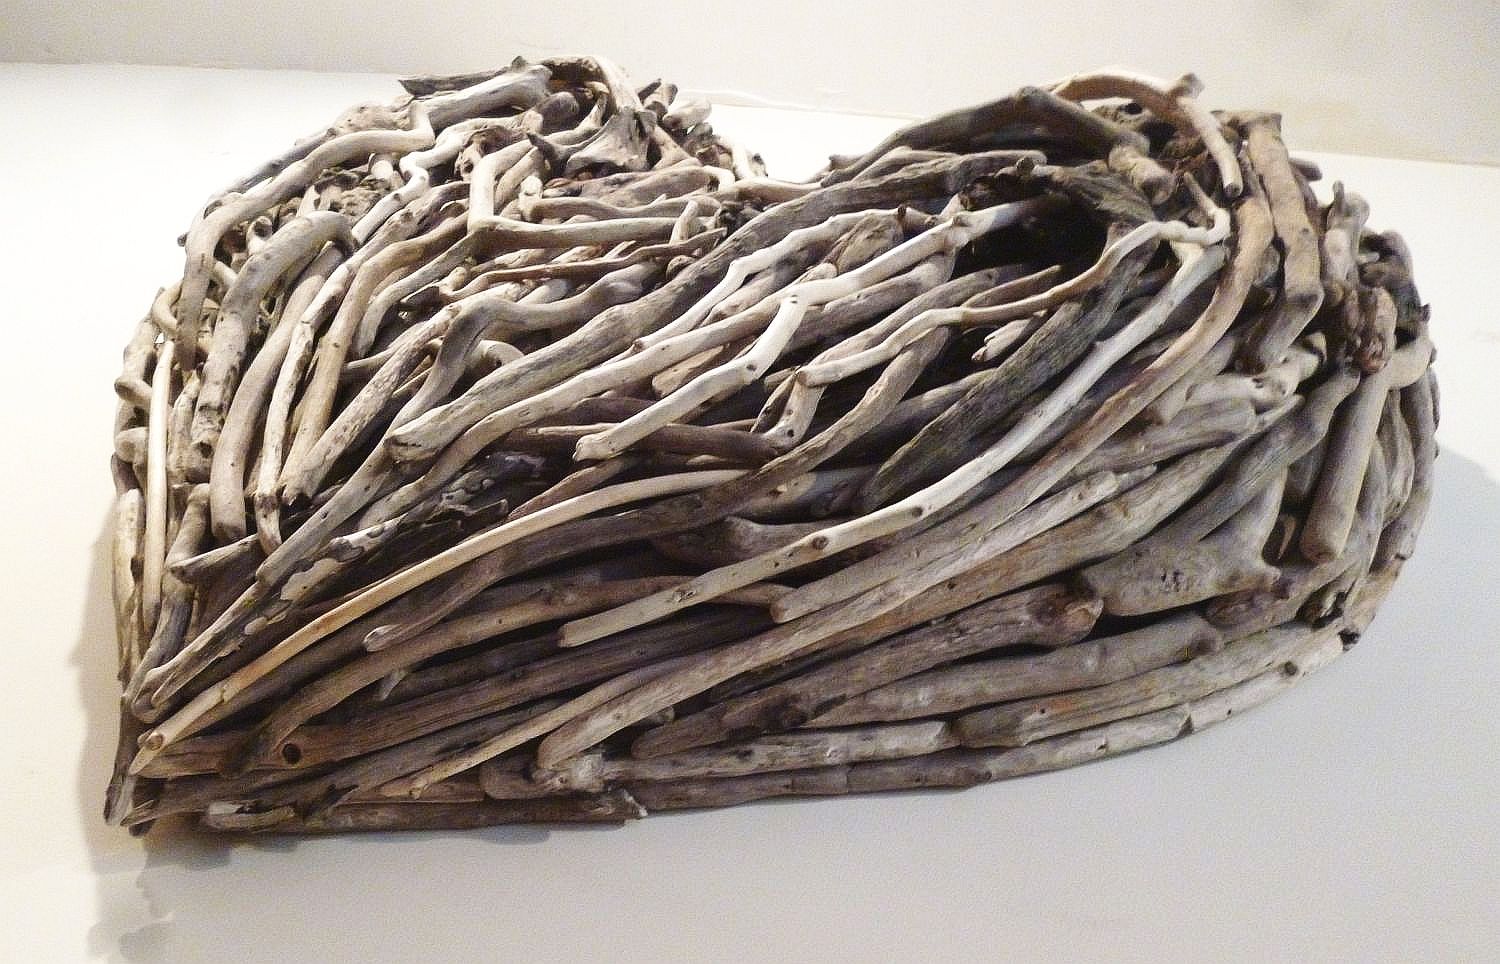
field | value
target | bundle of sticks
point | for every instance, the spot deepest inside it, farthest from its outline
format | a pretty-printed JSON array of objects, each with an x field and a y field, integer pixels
[{"x": 520, "y": 451}]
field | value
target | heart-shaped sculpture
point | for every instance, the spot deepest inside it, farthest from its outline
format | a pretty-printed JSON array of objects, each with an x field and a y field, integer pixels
[{"x": 521, "y": 452}]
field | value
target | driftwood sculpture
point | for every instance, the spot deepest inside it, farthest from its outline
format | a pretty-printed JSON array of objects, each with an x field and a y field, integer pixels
[{"x": 520, "y": 451}]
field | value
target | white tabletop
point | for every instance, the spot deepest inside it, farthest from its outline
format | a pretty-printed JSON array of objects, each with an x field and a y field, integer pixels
[{"x": 1355, "y": 818}]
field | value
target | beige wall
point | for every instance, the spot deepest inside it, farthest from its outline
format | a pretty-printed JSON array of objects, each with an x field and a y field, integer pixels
[{"x": 1413, "y": 80}]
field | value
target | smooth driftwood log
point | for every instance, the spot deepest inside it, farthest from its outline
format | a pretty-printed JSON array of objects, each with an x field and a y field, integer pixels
[{"x": 519, "y": 451}]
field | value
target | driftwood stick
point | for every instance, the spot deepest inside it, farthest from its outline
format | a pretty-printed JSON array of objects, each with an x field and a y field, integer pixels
[
  {"x": 1302, "y": 278},
  {"x": 1048, "y": 616},
  {"x": 120, "y": 792},
  {"x": 1169, "y": 403},
  {"x": 1176, "y": 103},
  {"x": 417, "y": 784},
  {"x": 593, "y": 268},
  {"x": 913, "y": 558},
  {"x": 694, "y": 794},
  {"x": 292, "y": 246},
  {"x": 125, "y": 565},
  {"x": 1344, "y": 226},
  {"x": 130, "y": 448},
  {"x": 819, "y": 494},
  {"x": 730, "y": 540},
  {"x": 246, "y": 407},
  {"x": 1399, "y": 538},
  {"x": 1097, "y": 662},
  {"x": 1154, "y": 576},
  {"x": 1031, "y": 104},
  {"x": 1198, "y": 427},
  {"x": 1327, "y": 602},
  {"x": 1331, "y": 514},
  {"x": 1394, "y": 439},
  {"x": 1314, "y": 591},
  {"x": 206, "y": 564},
  {"x": 362, "y": 776},
  {"x": 577, "y": 483},
  {"x": 180, "y": 461},
  {"x": 951, "y": 768},
  {"x": 770, "y": 754},
  {"x": 615, "y": 807},
  {"x": 502, "y": 658},
  {"x": 154, "y": 541},
  {"x": 177, "y": 595},
  {"x": 1025, "y": 721}
]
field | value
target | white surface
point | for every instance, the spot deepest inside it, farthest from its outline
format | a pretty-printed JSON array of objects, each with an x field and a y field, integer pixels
[
  {"x": 1353, "y": 819},
  {"x": 1398, "y": 79}
]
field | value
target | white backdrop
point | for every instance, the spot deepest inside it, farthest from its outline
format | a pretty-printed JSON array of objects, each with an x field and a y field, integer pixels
[
  {"x": 1416, "y": 79},
  {"x": 1352, "y": 819}
]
